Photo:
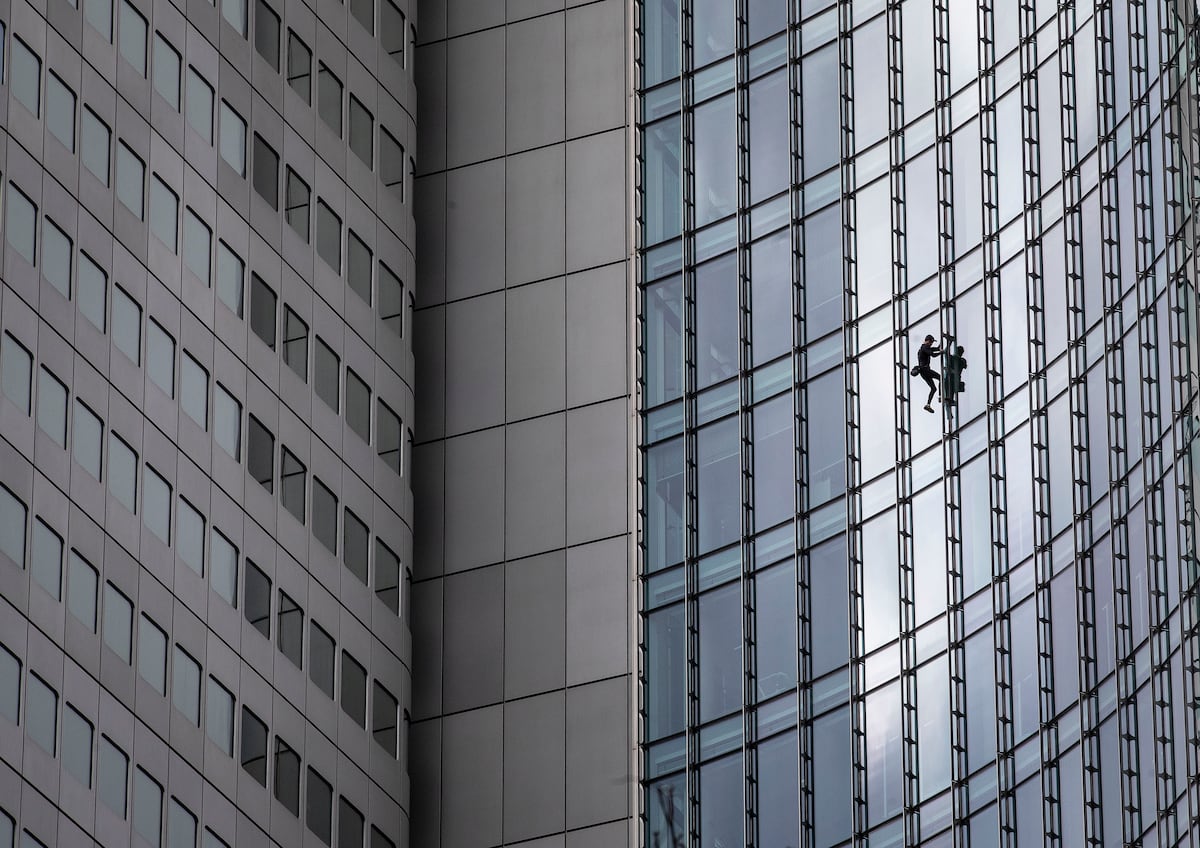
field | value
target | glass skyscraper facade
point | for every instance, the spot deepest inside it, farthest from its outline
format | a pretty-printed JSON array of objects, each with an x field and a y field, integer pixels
[{"x": 860, "y": 622}]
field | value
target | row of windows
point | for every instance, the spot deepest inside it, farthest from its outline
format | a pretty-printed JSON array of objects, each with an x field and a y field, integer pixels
[{"x": 101, "y": 762}]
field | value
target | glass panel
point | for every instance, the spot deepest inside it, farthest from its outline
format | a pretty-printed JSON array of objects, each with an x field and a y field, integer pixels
[
  {"x": 133, "y": 37},
  {"x": 358, "y": 265},
  {"x": 362, "y": 125},
  {"x": 60, "y": 111},
  {"x": 254, "y": 746},
  {"x": 230, "y": 276},
  {"x": 164, "y": 214},
  {"x": 152, "y": 654},
  {"x": 320, "y": 658},
  {"x": 292, "y": 478},
  {"x": 384, "y": 713},
  {"x": 227, "y": 428},
  {"x": 665, "y": 504},
  {"x": 266, "y": 33},
  {"x": 147, "y": 808},
  {"x": 771, "y": 296},
  {"x": 218, "y": 718},
  {"x": 197, "y": 246},
  {"x": 329, "y": 236},
  {"x": 664, "y": 341},
  {"x": 262, "y": 310},
  {"x": 774, "y": 462},
  {"x": 266, "y": 172},
  {"x": 156, "y": 505},
  {"x": 224, "y": 567},
  {"x": 94, "y": 148},
  {"x": 193, "y": 390},
  {"x": 388, "y": 435},
  {"x": 319, "y": 806},
  {"x": 716, "y": 321},
  {"x": 355, "y": 546},
  {"x": 295, "y": 209},
  {"x": 16, "y": 364},
  {"x": 329, "y": 99},
  {"x": 826, "y": 438},
  {"x": 775, "y": 622},
  {"x": 233, "y": 140},
  {"x": 185, "y": 686},
  {"x": 166, "y": 71},
  {"x": 325, "y": 516},
  {"x": 77, "y": 746},
  {"x": 291, "y": 630},
  {"x": 295, "y": 343},
  {"x": 299, "y": 67},
  {"x": 118, "y": 623},
  {"x": 52, "y": 407},
  {"x": 81, "y": 590},
  {"x": 234, "y": 12},
  {"x": 92, "y": 292},
  {"x": 131, "y": 176},
  {"x": 358, "y": 406},
  {"x": 25, "y": 77},
  {"x": 354, "y": 690},
  {"x": 718, "y": 485},
  {"x": 12, "y": 527},
  {"x": 10, "y": 692},
  {"x": 41, "y": 714},
  {"x": 327, "y": 375},
  {"x": 56, "y": 257},
  {"x": 350, "y": 821},
  {"x": 660, "y": 44},
  {"x": 21, "y": 224},
  {"x": 181, "y": 826},
  {"x": 713, "y": 37},
  {"x": 387, "y": 577},
  {"x": 160, "y": 357},
  {"x": 720, "y": 652},
  {"x": 722, "y": 815},
  {"x": 46, "y": 564},
  {"x": 715, "y": 158},
  {"x": 99, "y": 14},
  {"x": 112, "y": 776},
  {"x": 189, "y": 541},
  {"x": 287, "y": 776},
  {"x": 257, "y": 599},
  {"x": 778, "y": 789}
]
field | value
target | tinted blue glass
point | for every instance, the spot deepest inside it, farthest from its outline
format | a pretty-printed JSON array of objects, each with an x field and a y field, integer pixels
[
  {"x": 715, "y": 136},
  {"x": 722, "y": 819},
  {"x": 664, "y": 505},
  {"x": 720, "y": 652},
  {"x": 660, "y": 45},
  {"x": 663, "y": 179},
  {"x": 666, "y": 673},
  {"x": 663, "y": 363},
  {"x": 716, "y": 321},
  {"x": 719, "y": 491}
]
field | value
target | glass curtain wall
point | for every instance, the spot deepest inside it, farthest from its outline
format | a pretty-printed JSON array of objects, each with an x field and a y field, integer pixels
[{"x": 862, "y": 621}]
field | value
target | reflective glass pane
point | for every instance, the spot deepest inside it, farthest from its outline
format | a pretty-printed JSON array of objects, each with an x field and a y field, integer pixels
[
  {"x": 715, "y": 158},
  {"x": 719, "y": 490},
  {"x": 720, "y": 652},
  {"x": 716, "y": 321}
]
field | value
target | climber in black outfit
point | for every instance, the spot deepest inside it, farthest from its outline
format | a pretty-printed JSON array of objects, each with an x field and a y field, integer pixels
[{"x": 924, "y": 354}]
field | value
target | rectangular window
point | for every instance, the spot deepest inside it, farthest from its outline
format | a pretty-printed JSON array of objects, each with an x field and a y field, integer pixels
[
  {"x": 254, "y": 746},
  {"x": 266, "y": 172},
  {"x": 227, "y": 423},
  {"x": 354, "y": 690},
  {"x": 185, "y": 686},
  {"x": 189, "y": 536},
  {"x": 131, "y": 180},
  {"x": 200, "y": 104},
  {"x": 127, "y": 325},
  {"x": 358, "y": 266},
  {"x": 387, "y": 576},
  {"x": 118, "y": 623},
  {"x": 82, "y": 581},
  {"x": 156, "y": 504},
  {"x": 112, "y": 773},
  {"x": 325, "y": 516},
  {"x": 391, "y": 30},
  {"x": 364, "y": 12},
  {"x": 329, "y": 236},
  {"x": 299, "y": 67},
  {"x": 287, "y": 776},
  {"x": 362, "y": 127},
  {"x": 262, "y": 310},
  {"x": 358, "y": 405},
  {"x": 25, "y": 77},
  {"x": 181, "y": 826},
  {"x": 385, "y": 711},
  {"x": 291, "y": 484},
  {"x": 321, "y": 656},
  {"x": 391, "y": 162},
  {"x": 319, "y": 807},
  {"x": 41, "y": 714},
  {"x": 266, "y": 33},
  {"x": 133, "y": 37},
  {"x": 10, "y": 685},
  {"x": 46, "y": 560},
  {"x": 234, "y": 12},
  {"x": 99, "y": 14},
  {"x": 233, "y": 139},
  {"x": 52, "y": 407},
  {"x": 218, "y": 716},
  {"x": 12, "y": 527},
  {"x": 92, "y": 292},
  {"x": 164, "y": 213},
  {"x": 122, "y": 471},
  {"x": 166, "y": 70},
  {"x": 77, "y": 745},
  {"x": 389, "y": 435},
  {"x": 350, "y": 825},
  {"x": 296, "y": 201},
  {"x": 88, "y": 439},
  {"x": 197, "y": 246},
  {"x": 256, "y": 601},
  {"x": 94, "y": 149},
  {"x": 327, "y": 376},
  {"x": 60, "y": 111},
  {"x": 378, "y": 840},
  {"x": 231, "y": 275},
  {"x": 356, "y": 539},
  {"x": 152, "y": 654},
  {"x": 160, "y": 357},
  {"x": 21, "y": 224},
  {"x": 295, "y": 343},
  {"x": 290, "y": 630},
  {"x": 56, "y": 257},
  {"x": 329, "y": 99},
  {"x": 193, "y": 390},
  {"x": 16, "y": 372},
  {"x": 224, "y": 568},
  {"x": 147, "y": 807}
]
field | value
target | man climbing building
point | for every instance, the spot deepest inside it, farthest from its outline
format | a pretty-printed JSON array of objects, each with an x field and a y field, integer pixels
[
  {"x": 952, "y": 373},
  {"x": 924, "y": 354}
]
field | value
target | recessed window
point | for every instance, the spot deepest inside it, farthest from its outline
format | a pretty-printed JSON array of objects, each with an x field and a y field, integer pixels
[
  {"x": 152, "y": 654},
  {"x": 350, "y": 823},
  {"x": 256, "y": 599},
  {"x": 112, "y": 775},
  {"x": 254, "y": 746},
  {"x": 131, "y": 180},
  {"x": 358, "y": 406},
  {"x": 166, "y": 70},
  {"x": 25, "y": 77},
  {"x": 127, "y": 325},
  {"x": 46, "y": 561},
  {"x": 181, "y": 826},
  {"x": 118, "y": 623},
  {"x": 291, "y": 484},
  {"x": 362, "y": 128},
  {"x": 133, "y": 37},
  {"x": 185, "y": 686},
  {"x": 354, "y": 690},
  {"x": 326, "y": 374},
  {"x": 88, "y": 439},
  {"x": 296, "y": 202},
  {"x": 41, "y": 714},
  {"x": 164, "y": 214},
  {"x": 160, "y": 357},
  {"x": 329, "y": 99},
  {"x": 60, "y": 111},
  {"x": 99, "y": 14},
  {"x": 92, "y": 292},
  {"x": 227, "y": 422},
  {"x": 266, "y": 33},
  {"x": 321, "y": 656},
  {"x": 391, "y": 162},
  {"x": 387, "y": 576},
  {"x": 197, "y": 246},
  {"x": 211, "y": 840},
  {"x": 52, "y": 407},
  {"x": 21, "y": 224},
  {"x": 287, "y": 776},
  {"x": 231, "y": 274},
  {"x": 16, "y": 372},
  {"x": 358, "y": 266},
  {"x": 356, "y": 540},
  {"x": 200, "y": 105},
  {"x": 233, "y": 139},
  {"x": 10, "y": 685},
  {"x": 329, "y": 236},
  {"x": 262, "y": 310},
  {"x": 94, "y": 149},
  {"x": 12, "y": 527},
  {"x": 234, "y": 12},
  {"x": 295, "y": 343},
  {"x": 384, "y": 715},
  {"x": 82, "y": 581},
  {"x": 56, "y": 257},
  {"x": 147, "y": 807},
  {"x": 223, "y": 570},
  {"x": 325, "y": 516},
  {"x": 218, "y": 716},
  {"x": 189, "y": 536},
  {"x": 299, "y": 67},
  {"x": 391, "y": 30},
  {"x": 156, "y": 504},
  {"x": 290, "y": 632},
  {"x": 193, "y": 390},
  {"x": 378, "y": 840},
  {"x": 266, "y": 172},
  {"x": 77, "y": 735},
  {"x": 122, "y": 471},
  {"x": 318, "y": 814},
  {"x": 388, "y": 436},
  {"x": 364, "y": 12}
]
